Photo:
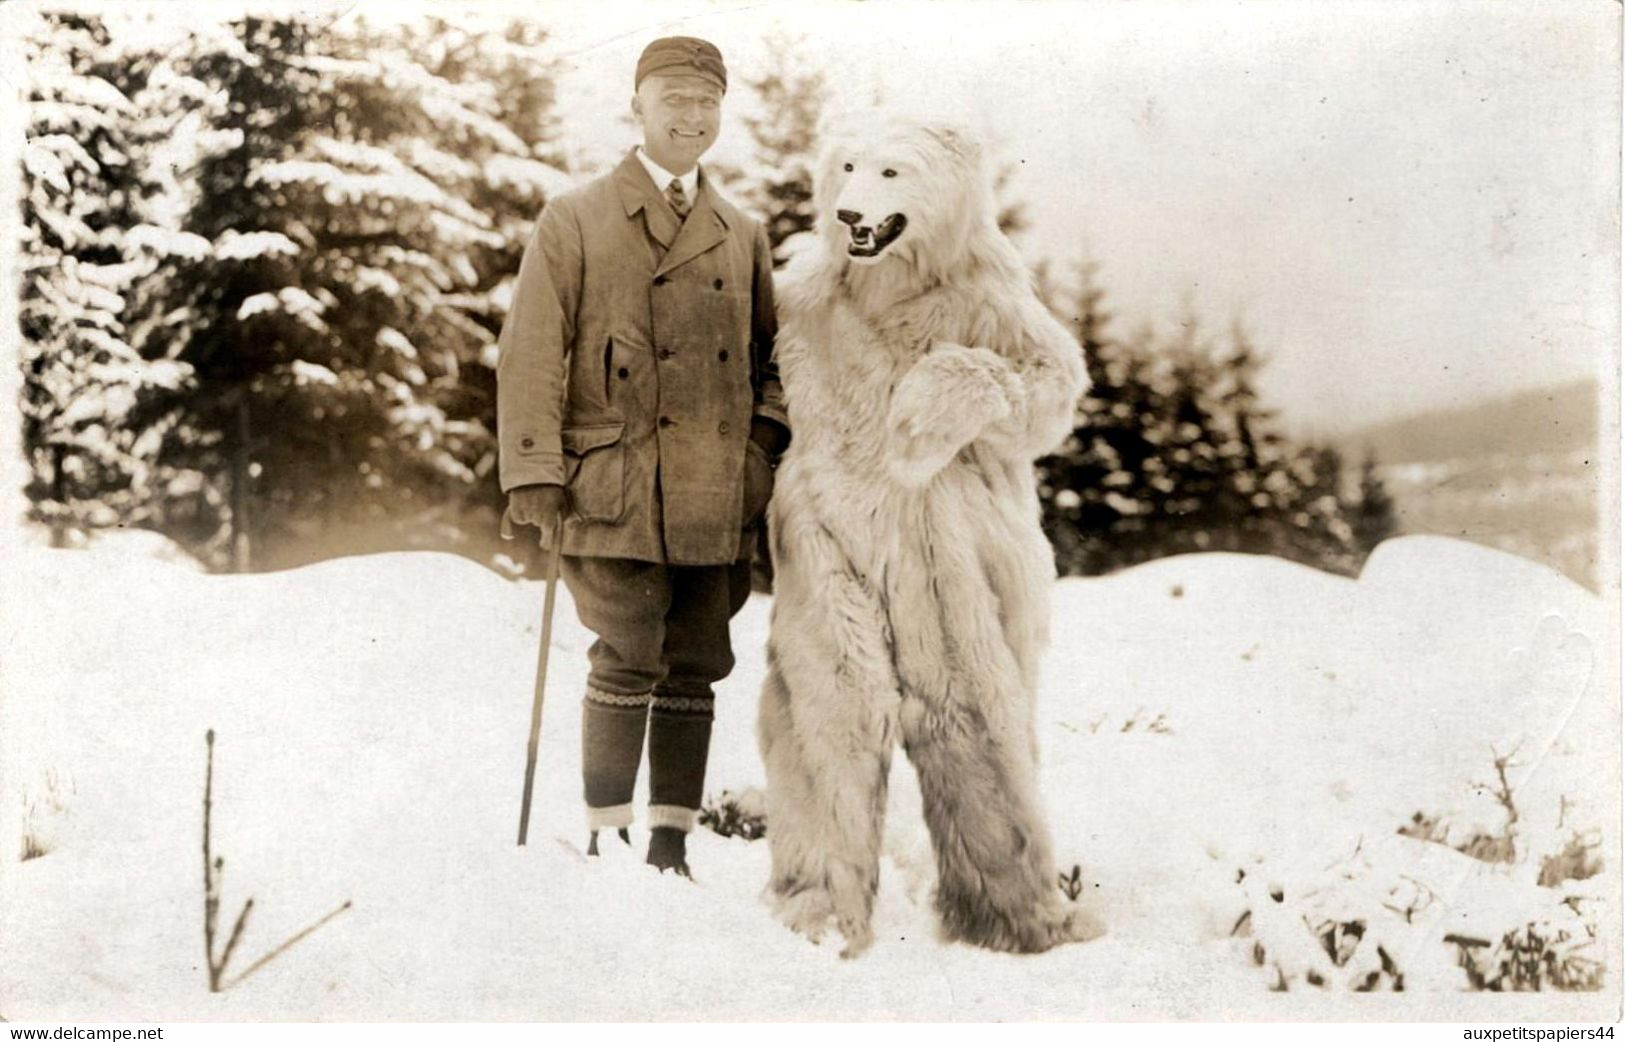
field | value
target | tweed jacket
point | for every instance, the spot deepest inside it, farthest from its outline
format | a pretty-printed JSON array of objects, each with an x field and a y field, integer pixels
[{"x": 634, "y": 357}]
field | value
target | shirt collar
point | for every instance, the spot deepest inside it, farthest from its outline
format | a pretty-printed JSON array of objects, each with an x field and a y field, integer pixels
[{"x": 663, "y": 177}]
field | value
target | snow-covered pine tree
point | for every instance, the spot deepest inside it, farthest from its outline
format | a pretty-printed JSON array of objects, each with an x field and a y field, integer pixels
[
  {"x": 352, "y": 282},
  {"x": 1374, "y": 512},
  {"x": 509, "y": 186},
  {"x": 1174, "y": 453},
  {"x": 81, "y": 191}
]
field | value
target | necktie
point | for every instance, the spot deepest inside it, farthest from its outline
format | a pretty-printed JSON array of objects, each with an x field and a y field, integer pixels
[{"x": 677, "y": 198}]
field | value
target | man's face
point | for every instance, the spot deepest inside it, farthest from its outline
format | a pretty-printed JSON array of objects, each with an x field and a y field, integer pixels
[{"x": 680, "y": 116}]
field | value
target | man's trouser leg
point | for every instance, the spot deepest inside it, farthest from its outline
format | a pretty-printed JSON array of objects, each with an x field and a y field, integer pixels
[
  {"x": 625, "y": 604},
  {"x": 697, "y": 654}
]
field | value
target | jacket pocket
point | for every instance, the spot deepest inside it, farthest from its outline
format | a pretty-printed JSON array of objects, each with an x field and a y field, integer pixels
[{"x": 595, "y": 471}]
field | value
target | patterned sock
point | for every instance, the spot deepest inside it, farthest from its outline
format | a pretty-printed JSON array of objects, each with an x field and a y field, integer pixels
[
  {"x": 679, "y": 743},
  {"x": 612, "y": 727}
]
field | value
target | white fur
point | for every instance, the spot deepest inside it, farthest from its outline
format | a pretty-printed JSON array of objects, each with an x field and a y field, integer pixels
[{"x": 912, "y": 577}]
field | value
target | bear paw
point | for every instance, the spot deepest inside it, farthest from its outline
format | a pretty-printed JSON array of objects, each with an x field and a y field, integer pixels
[
  {"x": 1076, "y": 926},
  {"x": 809, "y": 912},
  {"x": 1037, "y": 929},
  {"x": 943, "y": 403}
]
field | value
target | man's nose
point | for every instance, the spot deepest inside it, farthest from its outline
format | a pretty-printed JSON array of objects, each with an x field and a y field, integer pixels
[{"x": 851, "y": 217}]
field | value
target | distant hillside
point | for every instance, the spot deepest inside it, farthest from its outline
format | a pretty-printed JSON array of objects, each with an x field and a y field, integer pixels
[
  {"x": 1553, "y": 420},
  {"x": 1519, "y": 473}
]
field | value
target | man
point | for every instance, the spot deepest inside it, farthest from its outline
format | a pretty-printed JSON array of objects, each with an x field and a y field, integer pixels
[{"x": 638, "y": 406}]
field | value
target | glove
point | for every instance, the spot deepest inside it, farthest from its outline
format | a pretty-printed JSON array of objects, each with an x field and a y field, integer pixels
[{"x": 539, "y": 505}]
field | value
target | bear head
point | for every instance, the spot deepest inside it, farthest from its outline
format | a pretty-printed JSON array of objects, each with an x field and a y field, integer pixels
[{"x": 900, "y": 192}]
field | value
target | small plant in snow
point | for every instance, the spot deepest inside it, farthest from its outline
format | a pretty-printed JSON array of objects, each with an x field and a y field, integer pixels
[
  {"x": 1577, "y": 860},
  {"x": 1494, "y": 930},
  {"x": 38, "y": 807},
  {"x": 1426, "y": 827},
  {"x": 1539, "y": 956},
  {"x": 1502, "y": 848},
  {"x": 1499, "y": 848},
  {"x": 1071, "y": 883},
  {"x": 742, "y": 814},
  {"x": 1157, "y": 725}
]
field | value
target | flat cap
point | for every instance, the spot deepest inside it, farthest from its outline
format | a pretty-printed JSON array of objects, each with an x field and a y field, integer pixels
[{"x": 682, "y": 56}]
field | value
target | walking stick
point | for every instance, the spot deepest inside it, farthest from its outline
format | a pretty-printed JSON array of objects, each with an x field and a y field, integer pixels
[{"x": 541, "y": 675}]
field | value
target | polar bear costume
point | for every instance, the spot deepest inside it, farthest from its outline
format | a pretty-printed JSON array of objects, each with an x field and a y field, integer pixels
[{"x": 923, "y": 377}]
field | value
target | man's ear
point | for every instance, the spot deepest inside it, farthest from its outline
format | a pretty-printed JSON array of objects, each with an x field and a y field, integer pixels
[{"x": 637, "y": 107}]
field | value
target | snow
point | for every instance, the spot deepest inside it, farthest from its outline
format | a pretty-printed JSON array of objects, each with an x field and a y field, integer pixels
[
  {"x": 1217, "y": 730},
  {"x": 396, "y": 341},
  {"x": 234, "y": 245},
  {"x": 376, "y": 278},
  {"x": 290, "y": 299},
  {"x": 44, "y": 165},
  {"x": 519, "y": 172},
  {"x": 66, "y": 85},
  {"x": 111, "y": 403},
  {"x": 308, "y": 373},
  {"x": 168, "y": 241},
  {"x": 258, "y": 304}
]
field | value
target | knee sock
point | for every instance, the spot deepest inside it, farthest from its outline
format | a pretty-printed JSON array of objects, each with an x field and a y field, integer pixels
[
  {"x": 679, "y": 743},
  {"x": 612, "y": 729}
]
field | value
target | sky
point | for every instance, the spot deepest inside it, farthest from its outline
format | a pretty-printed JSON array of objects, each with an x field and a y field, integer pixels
[{"x": 1410, "y": 205}]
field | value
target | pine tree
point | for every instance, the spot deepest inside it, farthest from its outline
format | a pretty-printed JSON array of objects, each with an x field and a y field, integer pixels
[
  {"x": 1374, "y": 512},
  {"x": 363, "y": 200},
  {"x": 82, "y": 188},
  {"x": 1174, "y": 453}
]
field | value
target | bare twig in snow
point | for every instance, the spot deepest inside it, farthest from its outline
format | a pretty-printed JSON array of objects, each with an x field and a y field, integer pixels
[
  {"x": 289, "y": 943},
  {"x": 213, "y": 868}
]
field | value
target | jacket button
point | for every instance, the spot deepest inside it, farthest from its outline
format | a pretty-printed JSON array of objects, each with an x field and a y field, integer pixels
[
  {"x": 667, "y": 421},
  {"x": 660, "y": 280},
  {"x": 722, "y": 356},
  {"x": 722, "y": 428},
  {"x": 623, "y": 372},
  {"x": 664, "y": 352},
  {"x": 717, "y": 284},
  {"x": 527, "y": 443}
]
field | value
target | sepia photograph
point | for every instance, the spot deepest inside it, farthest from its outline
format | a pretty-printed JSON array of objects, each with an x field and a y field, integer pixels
[{"x": 855, "y": 510}]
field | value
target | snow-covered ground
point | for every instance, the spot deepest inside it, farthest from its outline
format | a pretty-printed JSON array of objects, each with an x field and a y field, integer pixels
[{"x": 1231, "y": 745}]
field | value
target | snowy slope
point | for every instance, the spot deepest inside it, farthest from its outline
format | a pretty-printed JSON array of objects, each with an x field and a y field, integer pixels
[{"x": 1231, "y": 744}]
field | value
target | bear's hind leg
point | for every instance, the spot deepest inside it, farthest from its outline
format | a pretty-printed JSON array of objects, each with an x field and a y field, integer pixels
[
  {"x": 827, "y": 727},
  {"x": 798, "y": 860},
  {"x": 996, "y": 883}
]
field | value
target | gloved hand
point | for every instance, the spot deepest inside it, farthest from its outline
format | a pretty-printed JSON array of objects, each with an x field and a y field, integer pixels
[{"x": 539, "y": 505}]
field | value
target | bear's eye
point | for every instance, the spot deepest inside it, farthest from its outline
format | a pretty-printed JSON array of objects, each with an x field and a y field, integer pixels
[
  {"x": 848, "y": 168},
  {"x": 888, "y": 172}
]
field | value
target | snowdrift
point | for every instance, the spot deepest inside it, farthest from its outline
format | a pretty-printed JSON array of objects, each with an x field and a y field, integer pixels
[{"x": 1232, "y": 747}]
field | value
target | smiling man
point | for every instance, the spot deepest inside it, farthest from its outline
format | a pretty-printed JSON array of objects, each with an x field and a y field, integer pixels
[{"x": 637, "y": 401}]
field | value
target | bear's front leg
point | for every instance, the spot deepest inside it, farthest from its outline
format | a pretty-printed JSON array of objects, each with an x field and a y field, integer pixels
[{"x": 941, "y": 405}]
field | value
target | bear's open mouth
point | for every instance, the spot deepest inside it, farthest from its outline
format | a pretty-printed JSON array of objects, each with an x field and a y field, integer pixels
[{"x": 868, "y": 241}]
